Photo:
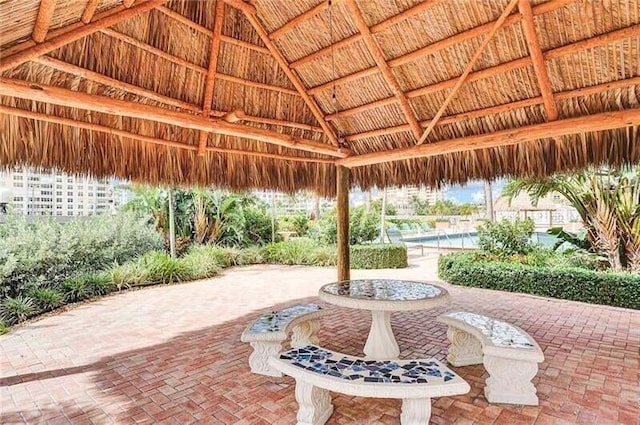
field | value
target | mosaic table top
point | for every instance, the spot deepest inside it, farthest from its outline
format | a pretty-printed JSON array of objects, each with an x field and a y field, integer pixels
[
  {"x": 500, "y": 333},
  {"x": 312, "y": 358},
  {"x": 369, "y": 293},
  {"x": 277, "y": 321}
]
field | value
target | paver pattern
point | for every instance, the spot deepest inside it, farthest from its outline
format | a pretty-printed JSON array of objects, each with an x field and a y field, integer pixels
[{"x": 172, "y": 355}]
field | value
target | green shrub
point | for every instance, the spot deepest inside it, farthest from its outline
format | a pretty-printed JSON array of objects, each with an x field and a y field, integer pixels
[
  {"x": 363, "y": 226},
  {"x": 99, "y": 284},
  {"x": 162, "y": 268},
  {"x": 51, "y": 252},
  {"x": 18, "y": 309},
  {"x": 200, "y": 262},
  {"x": 506, "y": 237},
  {"x": 293, "y": 251},
  {"x": 257, "y": 226},
  {"x": 129, "y": 274},
  {"x": 324, "y": 255},
  {"x": 46, "y": 298},
  {"x": 75, "y": 289},
  {"x": 571, "y": 283},
  {"x": 3, "y": 328},
  {"x": 378, "y": 256},
  {"x": 246, "y": 256}
]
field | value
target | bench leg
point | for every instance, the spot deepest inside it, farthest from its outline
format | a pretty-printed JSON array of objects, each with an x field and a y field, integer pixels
[
  {"x": 314, "y": 404},
  {"x": 259, "y": 358},
  {"x": 305, "y": 334},
  {"x": 415, "y": 411},
  {"x": 510, "y": 381},
  {"x": 465, "y": 349}
]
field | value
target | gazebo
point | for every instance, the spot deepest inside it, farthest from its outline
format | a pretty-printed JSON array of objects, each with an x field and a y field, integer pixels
[{"x": 319, "y": 95}]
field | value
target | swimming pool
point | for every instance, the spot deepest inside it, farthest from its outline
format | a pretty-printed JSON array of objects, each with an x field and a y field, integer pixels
[{"x": 468, "y": 240}]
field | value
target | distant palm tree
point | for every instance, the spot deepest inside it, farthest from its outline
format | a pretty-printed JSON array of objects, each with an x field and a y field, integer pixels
[{"x": 608, "y": 202}]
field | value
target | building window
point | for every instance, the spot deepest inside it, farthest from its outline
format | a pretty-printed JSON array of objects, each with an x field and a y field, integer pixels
[
  {"x": 80, "y": 194},
  {"x": 18, "y": 185},
  {"x": 17, "y": 199},
  {"x": 69, "y": 200}
]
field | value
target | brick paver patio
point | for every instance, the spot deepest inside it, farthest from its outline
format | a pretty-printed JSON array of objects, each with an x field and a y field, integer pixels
[{"x": 172, "y": 355}]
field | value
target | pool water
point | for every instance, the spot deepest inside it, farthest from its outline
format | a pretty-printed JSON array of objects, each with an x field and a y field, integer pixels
[{"x": 469, "y": 240}]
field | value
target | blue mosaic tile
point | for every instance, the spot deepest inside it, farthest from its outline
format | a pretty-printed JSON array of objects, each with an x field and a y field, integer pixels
[
  {"x": 277, "y": 320},
  {"x": 383, "y": 289},
  {"x": 354, "y": 369},
  {"x": 500, "y": 333}
]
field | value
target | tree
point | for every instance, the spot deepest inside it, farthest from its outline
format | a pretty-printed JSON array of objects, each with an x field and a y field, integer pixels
[
  {"x": 419, "y": 206},
  {"x": 608, "y": 202}
]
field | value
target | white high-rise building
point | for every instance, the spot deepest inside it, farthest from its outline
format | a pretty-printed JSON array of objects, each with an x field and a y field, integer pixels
[
  {"x": 401, "y": 197},
  {"x": 31, "y": 192}
]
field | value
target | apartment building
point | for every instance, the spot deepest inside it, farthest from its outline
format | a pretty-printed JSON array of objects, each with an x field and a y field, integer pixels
[
  {"x": 30, "y": 192},
  {"x": 401, "y": 197}
]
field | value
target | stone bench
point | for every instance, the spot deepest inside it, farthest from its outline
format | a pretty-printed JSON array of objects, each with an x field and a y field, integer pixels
[
  {"x": 508, "y": 353},
  {"x": 267, "y": 333},
  {"x": 318, "y": 371}
]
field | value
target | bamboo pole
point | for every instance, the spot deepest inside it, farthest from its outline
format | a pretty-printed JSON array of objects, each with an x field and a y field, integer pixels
[
  {"x": 467, "y": 70},
  {"x": 151, "y": 140},
  {"x": 321, "y": 7},
  {"x": 529, "y": 29},
  {"x": 43, "y": 21},
  {"x": 210, "y": 82},
  {"x": 342, "y": 219},
  {"x": 89, "y": 11},
  {"x": 108, "y": 105},
  {"x": 378, "y": 56},
  {"x": 27, "y": 51},
  {"x": 250, "y": 13},
  {"x": 553, "y": 129}
]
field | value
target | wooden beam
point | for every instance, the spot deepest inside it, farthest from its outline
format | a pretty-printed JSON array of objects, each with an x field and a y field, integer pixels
[
  {"x": 464, "y": 116},
  {"x": 148, "y": 139},
  {"x": 108, "y": 105},
  {"x": 342, "y": 221},
  {"x": 529, "y": 30},
  {"x": 432, "y": 48},
  {"x": 112, "y": 82},
  {"x": 293, "y": 77},
  {"x": 89, "y": 11},
  {"x": 43, "y": 21},
  {"x": 467, "y": 70},
  {"x": 344, "y": 80},
  {"x": 245, "y": 44},
  {"x": 548, "y": 130},
  {"x": 210, "y": 82},
  {"x": 128, "y": 3},
  {"x": 384, "y": 68},
  {"x": 555, "y": 53},
  {"x": 321, "y": 7},
  {"x": 282, "y": 123},
  {"x": 29, "y": 50}
]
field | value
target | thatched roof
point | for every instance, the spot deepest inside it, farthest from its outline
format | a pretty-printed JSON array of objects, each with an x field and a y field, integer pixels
[{"x": 274, "y": 93}]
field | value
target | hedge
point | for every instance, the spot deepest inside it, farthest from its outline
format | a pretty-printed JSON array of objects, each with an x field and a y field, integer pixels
[
  {"x": 378, "y": 256},
  {"x": 569, "y": 283}
]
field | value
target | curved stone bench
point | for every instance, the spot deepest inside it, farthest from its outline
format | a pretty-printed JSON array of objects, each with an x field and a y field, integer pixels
[
  {"x": 267, "y": 333},
  {"x": 509, "y": 355},
  {"x": 318, "y": 371}
]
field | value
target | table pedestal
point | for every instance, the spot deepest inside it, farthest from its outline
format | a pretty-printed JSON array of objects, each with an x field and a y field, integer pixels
[{"x": 381, "y": 344}]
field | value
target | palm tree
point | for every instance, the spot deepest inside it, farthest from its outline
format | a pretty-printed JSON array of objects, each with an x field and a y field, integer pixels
[{"x": 608, "y": 202}]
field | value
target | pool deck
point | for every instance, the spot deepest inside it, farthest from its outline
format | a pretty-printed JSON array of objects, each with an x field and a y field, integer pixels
[{"x": 172, "y": 355}]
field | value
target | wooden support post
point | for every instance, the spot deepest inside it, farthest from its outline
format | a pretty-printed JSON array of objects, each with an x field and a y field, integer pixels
[
  {"x": 342, "y": 211},
  {"x": 43, "y": 21}
]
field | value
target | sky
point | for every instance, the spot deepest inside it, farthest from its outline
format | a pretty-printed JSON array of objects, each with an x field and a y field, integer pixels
[{"x": 472, "y": 192}]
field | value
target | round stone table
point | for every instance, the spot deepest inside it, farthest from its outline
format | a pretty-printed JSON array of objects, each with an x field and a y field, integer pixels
[{"x": 381, "y": 297}]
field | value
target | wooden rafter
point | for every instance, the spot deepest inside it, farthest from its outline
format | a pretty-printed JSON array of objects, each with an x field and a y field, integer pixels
[
  {"x": 128, "y": 3},
  {"x": 529, "y": 29},
  {"x": 43, "y": 21},
  {"x": 89, "y": 11},
  {"x": 483, "y": 112},
  {"x": 502, "y": 68},
  {"x": 467, "y": 70},
  {"x": 148, "y": 139},
  {"x": 548, "y": 130},
  {"x": 108, "y": 105},
  {"x": 28, "y": 50},
  {"x": 540, "y": 9},
  {"x": 210, "y": 83},
  {"x": 378, "y": 56},
  {"x": 316, "y": 10},
  {"x": 250, "y": 13}
]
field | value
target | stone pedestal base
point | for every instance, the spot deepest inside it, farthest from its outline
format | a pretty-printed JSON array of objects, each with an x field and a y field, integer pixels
[
  {"x": 259, "y": 358},
  {"x": 415, "y": 411},
  {"x": 381, "y": 344},
  {"x": 510, "y": 381},
  {"x": 314, "y": 404}
]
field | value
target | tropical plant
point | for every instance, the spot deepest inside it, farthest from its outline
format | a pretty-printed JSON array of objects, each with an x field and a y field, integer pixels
[
  {"x": 46, "y": 298},
  {"x": 608, "y": 202},
  {"x": 18, "y": 309},
  {"x": 506, "y": 238}
]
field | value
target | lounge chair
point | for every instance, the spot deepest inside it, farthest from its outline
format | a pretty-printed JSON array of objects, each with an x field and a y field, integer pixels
[{"x": 396, "y": 237}]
